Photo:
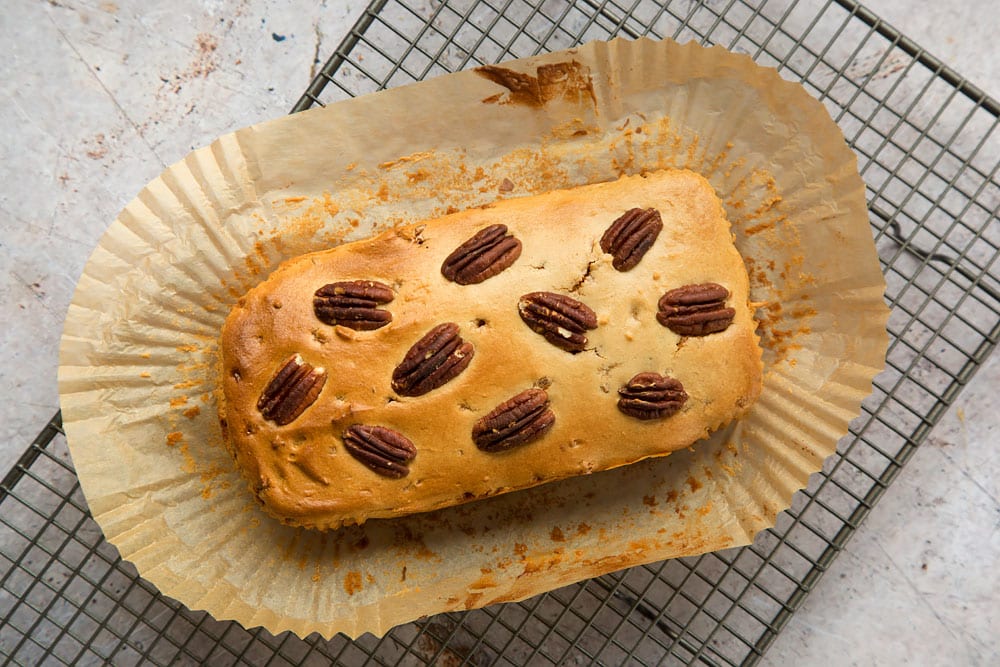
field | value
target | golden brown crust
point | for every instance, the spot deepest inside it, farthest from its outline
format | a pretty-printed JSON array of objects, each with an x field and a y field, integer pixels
[{"x": 301, "y": 471}]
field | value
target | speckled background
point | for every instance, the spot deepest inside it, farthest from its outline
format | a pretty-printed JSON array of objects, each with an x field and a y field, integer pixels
[{"x": 101, "y": 96}]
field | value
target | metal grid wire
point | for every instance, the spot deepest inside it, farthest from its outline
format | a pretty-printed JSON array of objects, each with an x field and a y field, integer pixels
[{"x": 928, "y": 149}]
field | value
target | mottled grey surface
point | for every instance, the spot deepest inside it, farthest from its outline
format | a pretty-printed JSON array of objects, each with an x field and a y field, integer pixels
[{"x": 100, "y": 96}]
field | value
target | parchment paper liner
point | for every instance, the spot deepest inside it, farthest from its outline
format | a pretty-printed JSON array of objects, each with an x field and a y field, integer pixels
[{"x": 137, "y": 375}]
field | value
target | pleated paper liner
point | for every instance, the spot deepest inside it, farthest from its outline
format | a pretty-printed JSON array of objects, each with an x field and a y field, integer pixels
[{"x": 139, "y": 351}]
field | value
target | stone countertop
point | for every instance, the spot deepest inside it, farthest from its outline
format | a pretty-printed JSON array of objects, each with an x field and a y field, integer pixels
[{"x": 102, "y": 95}]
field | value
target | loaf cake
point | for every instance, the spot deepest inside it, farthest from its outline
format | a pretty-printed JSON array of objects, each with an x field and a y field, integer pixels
[{"x": 490, "y": 350}]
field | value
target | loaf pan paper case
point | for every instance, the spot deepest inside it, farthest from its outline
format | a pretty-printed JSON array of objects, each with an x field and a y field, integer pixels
[{"x": 139, "y": 352}]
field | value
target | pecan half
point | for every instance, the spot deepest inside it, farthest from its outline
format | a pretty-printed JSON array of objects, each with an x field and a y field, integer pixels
[
  {"x": 293, "y": 389},
  {"x": 695, "y": 310},
  {"x": 385, "y": 451},
  {"x": 483, "y": 256},
  {"x": 353, "y": 304},
  {"x": 562, "y": 320},
  {"x": 651, "y": 396},
  {"x": 517, "y": 421},
  {"x": 432, "y": 361},
  {"x": 630, "y": 236}
]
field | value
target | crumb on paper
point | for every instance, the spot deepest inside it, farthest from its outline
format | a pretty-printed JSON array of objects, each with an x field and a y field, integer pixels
[
  {"x": 574, "y": 127},
  {"x": 145, "y": 374},
  {"x": 412, "y": 157},
  {"x": 417, "y": 176},
  {"x": 189, "y": 463},
  {"x": 192, "y": 412},
  {"x": 638, "y": 546},
  {"x": 253, "y": 268},
  {"x": 178, "y": 401},
  {"x": 174, "y": 437},
  {"x": 352, "y": 582},
  {"x": 331, "y": 207},
  {"x": 760, "y": 227}
]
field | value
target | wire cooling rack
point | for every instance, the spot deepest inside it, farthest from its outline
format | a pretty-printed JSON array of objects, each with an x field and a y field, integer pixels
[{"x": 928, "y": 147}]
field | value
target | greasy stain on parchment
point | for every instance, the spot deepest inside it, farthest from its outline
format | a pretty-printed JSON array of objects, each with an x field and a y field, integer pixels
[{"x": 568, "y": 81}]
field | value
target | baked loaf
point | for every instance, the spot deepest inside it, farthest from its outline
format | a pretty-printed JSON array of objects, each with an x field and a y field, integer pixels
[{"x": 490, "y": 350}]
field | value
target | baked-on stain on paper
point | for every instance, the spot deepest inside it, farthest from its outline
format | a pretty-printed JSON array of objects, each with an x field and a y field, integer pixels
[{"x": 569, "y": 81}]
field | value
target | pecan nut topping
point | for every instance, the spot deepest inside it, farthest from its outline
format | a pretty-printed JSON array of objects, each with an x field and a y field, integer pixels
[
  {"x": 695, "y": 310},
  {"x": 293, "y": 389},
  {"x": 432, "y": 361},
  {"x": 630, "y": 236},
  {"x": 353, "y": 304},
  {"x": 651, "y": 396},
  {"x": 562, "y": 320},
  {"x": 385, "y": 451},
  {"x": 517, "y": 421},
  {"x": 483, "y": 256}
]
